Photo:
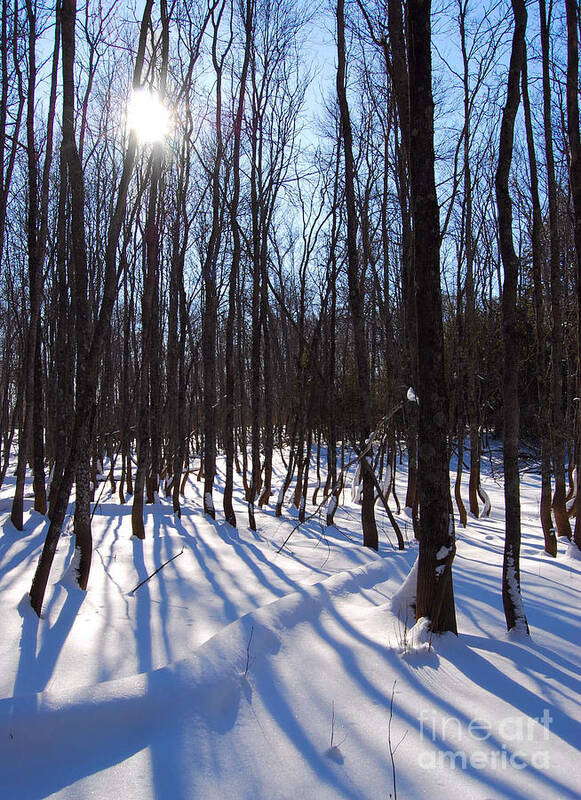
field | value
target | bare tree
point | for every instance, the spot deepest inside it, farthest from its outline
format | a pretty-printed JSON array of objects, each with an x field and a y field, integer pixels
[
  {"x": 561, "y": 518},
  {"x": 511, "y": 594},
  {"x": 370, "y": 538},
  {"x": 542, "y": 384},
  {"x": 86, "y": 400},
  {"x": 210, "y": 266},
  {"x": 435, "y": 595},
  {"x": 37, "y": 231},
  {"x": 229, "y": 443},
  {"x": 149, "y": 321},
  {"x": 572, "y": 11}
]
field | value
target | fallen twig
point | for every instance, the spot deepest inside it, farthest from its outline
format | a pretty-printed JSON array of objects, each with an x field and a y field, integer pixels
[{"x": 156, "y": 571}]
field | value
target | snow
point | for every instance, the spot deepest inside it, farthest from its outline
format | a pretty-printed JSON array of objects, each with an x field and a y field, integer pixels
[
  {"x": 573, "y": 552},
  {"x": 237, "y": 672},
  {"x": 356, "y": 485},
  {"x": 332, "y": 505},
  {"x": 403, "y": 599},
  {"x": 411, "y": 396},
  {"x": 386, "y": 482},
  {"x": 487, "y": 504},
  {"x": 512, "y": 584},
  {"x": 571, "y": 502}
]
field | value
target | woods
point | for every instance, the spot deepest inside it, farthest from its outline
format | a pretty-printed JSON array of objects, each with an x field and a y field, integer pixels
[{"x": 365, "y": 257}]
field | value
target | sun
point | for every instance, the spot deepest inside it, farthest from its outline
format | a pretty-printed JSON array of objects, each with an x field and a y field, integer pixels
[{"x": 148, "y": 117}]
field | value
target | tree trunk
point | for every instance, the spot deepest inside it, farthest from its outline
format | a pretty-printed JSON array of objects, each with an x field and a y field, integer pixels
[
  {"x": 82, "y": 519},
  {"x": 399, "y": 74},
  {"x": 210, "y": 317},
  {"x": 143, "y": 445},
  {"x": 469, "y": 323},
  {"x": 511, "y": 595},
  {"x": 64, "y": 353},
  {"x": 435, "y": 596},
  {"x": 86, "y": 401},
  {"x": 458, "y": 482},
  {"x": 543, "y": 392},
  {"x": 575, "y": 181},
  {"x": 559, "y": 497},
  {"x": 268, "y": 402},
  {"x": 37, "y": 231},
  {"x": 229, "y": 440},
  {"x": 370, "y": 538},
  {"x": 148, "y": 435}
]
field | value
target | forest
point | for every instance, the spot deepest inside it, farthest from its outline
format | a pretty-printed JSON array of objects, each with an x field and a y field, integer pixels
[{"x": 303, "y": 260}]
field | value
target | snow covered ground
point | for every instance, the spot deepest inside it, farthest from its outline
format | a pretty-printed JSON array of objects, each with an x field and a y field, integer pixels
[{"x": 241, "y": 672}]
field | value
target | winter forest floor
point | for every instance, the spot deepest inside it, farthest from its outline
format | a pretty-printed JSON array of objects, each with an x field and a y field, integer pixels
[{"x": 240, "y": 672}]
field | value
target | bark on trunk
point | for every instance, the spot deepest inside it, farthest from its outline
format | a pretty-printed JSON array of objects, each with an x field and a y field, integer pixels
[
  {"x": 398, "y": 68},
  {"x": 469, "y": 325},
  {"x": 370, "y": 537},
  {"x": 86, "y": 401},
  {"x": 575, "y": 181},
  {"x": 82, "y": 518},
  {"x": 229, "y": 438},
  {"x": 511, "y": 594},
  {"x": 558, "y": 428},
  {"x": 543, "y": 392},
  {"x": 31, "y": 434},
  {"x": 435, "y": 596}
]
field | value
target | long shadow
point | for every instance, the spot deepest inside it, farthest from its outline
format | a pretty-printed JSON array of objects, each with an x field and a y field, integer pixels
[
  {"x": 564, "y": 726},
  {"x": 230, "y": 610},
  {"x": 13, "y": 537},
  {"x": 249, "y": 553},
  {"x": 88, "y": 742},
  {"x": 284, "y": 715},
  {"x": 107, "y": 561},
  {"x": 165, "y": 755},
  {"x": 114, "y": 509},
  {"x": 291, "y": 553},
  {"x": 568, "y": 565},
  {"x": 490, "y": 679},
  {"x": 481, "y": 590},
  {"x": 106, "y": 558},
  {"x": 159, "y": 542},
  {"x": 246, "y": 549},
  {"x": 231, "y": 579},
  {"x": 166, "y": 771},
  {"x": 252, "y": 555},
  {"x": 167, "y": 747},
  {"x": 465, "y": 608},
  {"x": 36, "y": 669},
  {"x": 206, "y": 558},
  {"x": 52, "y": 748},
  {"x": 167, "y": 750},
  {"x": 526, "y": 659},
  {"x": 143, "y": 610}
]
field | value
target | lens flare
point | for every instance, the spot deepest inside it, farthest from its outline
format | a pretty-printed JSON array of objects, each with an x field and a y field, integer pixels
[{"x": 148, "y": 117}]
